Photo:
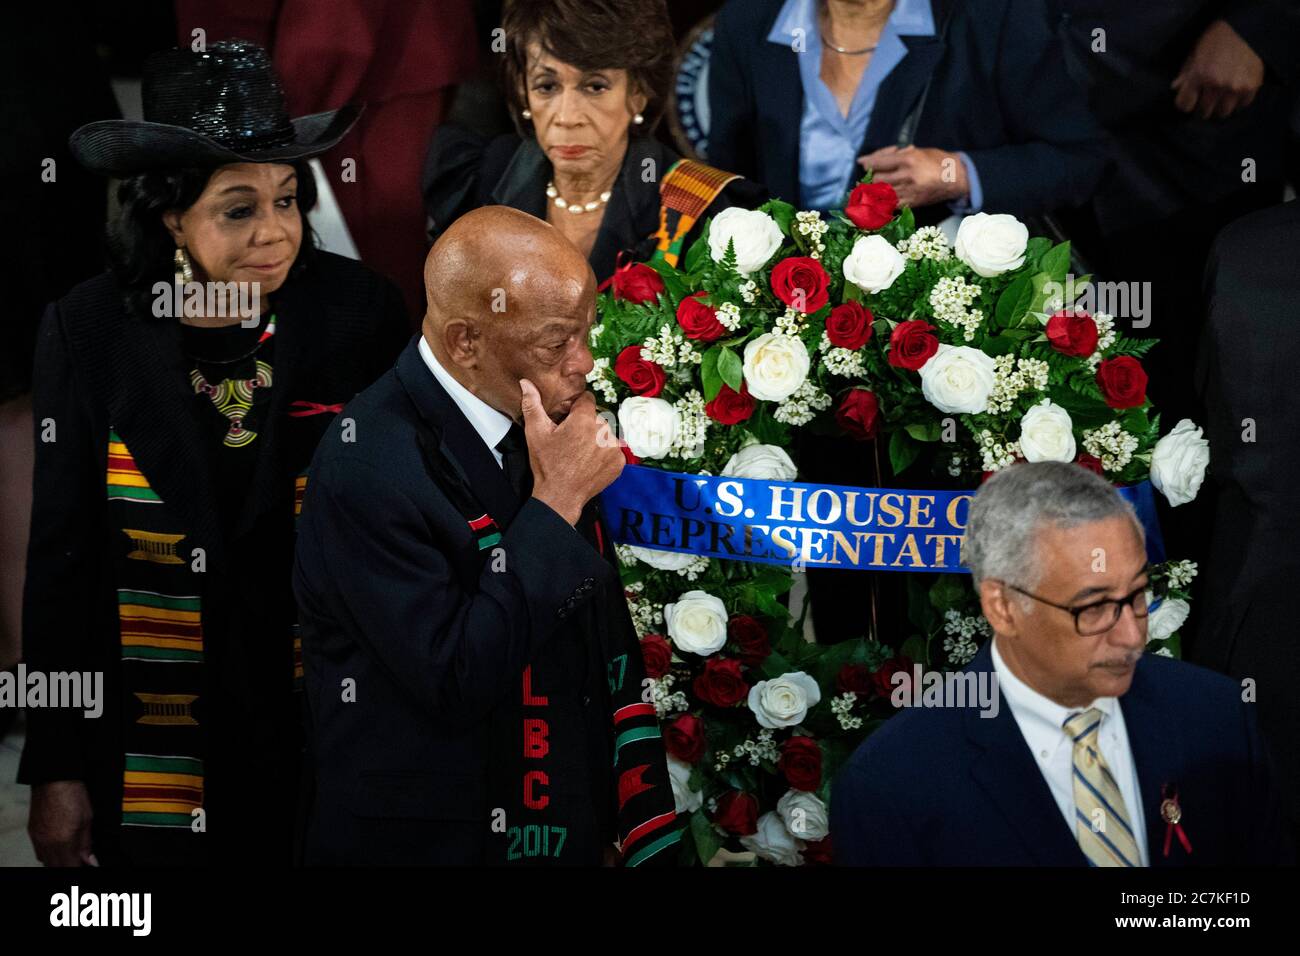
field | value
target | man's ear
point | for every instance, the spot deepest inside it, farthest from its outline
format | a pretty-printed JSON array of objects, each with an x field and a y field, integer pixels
[
  {"x": 460, "y": 341},
  {"x": 995, "y": 602},
  {"x": 172, "y": 220}
]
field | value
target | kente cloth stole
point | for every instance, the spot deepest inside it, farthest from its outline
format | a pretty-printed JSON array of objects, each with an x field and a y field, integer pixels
[
  {"x": 645, "y": 819},
  {"x": 685, "y": 192},
  {"x": 160, "y": 615}
]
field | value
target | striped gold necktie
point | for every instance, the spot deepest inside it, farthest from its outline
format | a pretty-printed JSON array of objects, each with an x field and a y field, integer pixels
[{"x": 1100, "y": 818}]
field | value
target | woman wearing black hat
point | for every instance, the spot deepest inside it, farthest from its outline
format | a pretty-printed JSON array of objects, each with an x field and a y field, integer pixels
[{"x": 178, "y": 401}]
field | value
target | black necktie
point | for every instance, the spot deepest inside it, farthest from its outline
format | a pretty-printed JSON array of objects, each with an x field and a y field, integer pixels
[{"x": 514, "y": 459}]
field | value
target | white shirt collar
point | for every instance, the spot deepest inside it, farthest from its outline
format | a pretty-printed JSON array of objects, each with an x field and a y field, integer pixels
[
  {"x": 490, "y": 424},
  {"x": 1029, "y": 705}
]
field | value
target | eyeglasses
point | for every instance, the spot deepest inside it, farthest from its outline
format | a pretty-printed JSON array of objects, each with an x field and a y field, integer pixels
[{"x": 1100, "y": 616}]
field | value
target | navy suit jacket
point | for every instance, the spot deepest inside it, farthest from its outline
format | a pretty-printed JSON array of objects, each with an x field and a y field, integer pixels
[
  {"x": 947, "y": 787},
  {"x": 1000, "y": 91},
  {"x": 396, "y": 595}
]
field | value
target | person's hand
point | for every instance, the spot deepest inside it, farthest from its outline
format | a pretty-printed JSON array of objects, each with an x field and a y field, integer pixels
[
  {"x": 59, "y": 824},
  {"x": 1221, "y": 75},
  {"x": 573, "y": 461},
  {"x": 920, "y": 176}
]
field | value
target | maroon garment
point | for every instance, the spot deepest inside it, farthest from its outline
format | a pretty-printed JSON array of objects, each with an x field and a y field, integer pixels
[{"x": 399, "y": 57}]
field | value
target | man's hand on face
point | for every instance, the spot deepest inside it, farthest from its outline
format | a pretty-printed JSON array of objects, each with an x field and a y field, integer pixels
[
  {"x": 573, "y": 461},
  {"x": 1221, "y": 75}
]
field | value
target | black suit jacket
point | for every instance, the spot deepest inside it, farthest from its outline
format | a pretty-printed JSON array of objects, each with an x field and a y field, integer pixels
[
  {"x": 1246, "y": 377},
  {"x": 396, "y": 596},
  {"x": 998, "y": 90},
  {"x": 947, "y": 787}
]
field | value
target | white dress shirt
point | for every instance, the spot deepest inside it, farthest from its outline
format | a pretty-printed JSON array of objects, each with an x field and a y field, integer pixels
[
  {"x": 490, "y": 424},
  {"x": 1040, "y": 720}
]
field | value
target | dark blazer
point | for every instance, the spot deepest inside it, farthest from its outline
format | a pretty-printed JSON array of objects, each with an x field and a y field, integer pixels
[
  {"x": 998, "y": 90},
  {"x": 396, "y": 595},
  {"x": 947, "y": 787},
  {"x": 98, "y": 367},
  {"x": 1249, "y": 353},
  {"x": 1167, "y": 161},
  {"x": 463, "y": 171}
]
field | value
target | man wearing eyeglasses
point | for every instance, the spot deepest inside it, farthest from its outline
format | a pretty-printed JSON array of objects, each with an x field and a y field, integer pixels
[{"x": 1101, "y": 756}]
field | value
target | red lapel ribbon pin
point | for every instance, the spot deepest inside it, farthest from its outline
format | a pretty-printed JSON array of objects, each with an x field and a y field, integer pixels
[
  {"x": 313, "y": 408},
  {"x": 1172, "y": 813}
]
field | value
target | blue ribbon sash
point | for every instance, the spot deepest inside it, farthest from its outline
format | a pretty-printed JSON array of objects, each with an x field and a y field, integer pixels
[{"x": 807, "y": 525}]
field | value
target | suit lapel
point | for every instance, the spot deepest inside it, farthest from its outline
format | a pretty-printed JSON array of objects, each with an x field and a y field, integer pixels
[
  {"x": 1156, "y": 754},
  {"x": 464, "y": 467},
  {"x": 1006, "y": 771},
  {"x": 154, "y": 410},
  {"x": 901, "y": 90}
]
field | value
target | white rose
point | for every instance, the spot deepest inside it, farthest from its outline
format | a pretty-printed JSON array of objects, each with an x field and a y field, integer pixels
[
  {"x": 784, "y": 701},
  {"x": 767, "y": 462},
  {"x": 1046, "y": 433},
  {"x": 773, "y": 842},
  {"x": 649, "y": 425},
  {"x": 775, "y": 366},
  {"x": 1167, "y": 618},
  {"x": 662, "y": 560},
  {"x": 958, "y": 379},
  {"x": 1178, "y": 462},
  {"x": 755, "y": 234},
  {"x": 697, "y": 622},
  {"x": 991, "y": 245},
  {"x": 874, "y": 264},
  {"x": 804, "y": 815},
  {"x": 685, "y": 800}
]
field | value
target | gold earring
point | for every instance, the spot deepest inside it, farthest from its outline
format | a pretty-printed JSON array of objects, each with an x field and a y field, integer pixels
[
  {"x": 184, "y": 274},
  {"x": 527, "y": 114},
  {"x": 638, "y": 119}
]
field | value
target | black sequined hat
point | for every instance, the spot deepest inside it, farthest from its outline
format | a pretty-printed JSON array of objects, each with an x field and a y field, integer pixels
[{"x": 221, "y": 106}]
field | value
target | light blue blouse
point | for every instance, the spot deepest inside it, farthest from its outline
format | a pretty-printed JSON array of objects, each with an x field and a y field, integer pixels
[{"x": 828, "y": 140}]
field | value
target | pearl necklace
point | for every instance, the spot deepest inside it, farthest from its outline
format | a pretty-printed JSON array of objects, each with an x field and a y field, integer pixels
[{"x": 575, "y": 207}]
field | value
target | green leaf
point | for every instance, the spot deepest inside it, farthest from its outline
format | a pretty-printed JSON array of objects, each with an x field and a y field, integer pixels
[
  {"x": 923, "y": 432},
  {"x": 1014, "y": 301},
  {"x": 902, "y": 451},
  {"x": 699, "y": 251},
  {"x": 731, "y": 369},
  {"x": 1000, "y": 344},
  {"x": 782, "y": 212},
  {"x": 1084, "y": 412},
  {"x": 709, "y": 376},
  {"x": 1056, "y": 261},
  {"x": 706, "y": 838}
]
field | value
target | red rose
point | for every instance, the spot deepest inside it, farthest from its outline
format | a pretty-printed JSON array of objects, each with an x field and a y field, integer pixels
[
  {"x": 854, "y": 679},
  {"x": 630, "y": 458},
  {"x": 684, "y": 738},
  {"x": 721, "y": 683},
  {"x": 644, "y": 378},
  {"x": 1072, "y": 333},
  {"x": 1091, "y": 462},
  {"x": 858, "y": 414},
  {"x": 731, "y": 407},
  {"x": 819, "y": 853},
  {"x": 883, "y": 676},
  {"x": 636, "y": 282},
  {"x": 849, "y": 326},
  {"x": 698, "y": 320},
  {"x": 871, "y": 205},
  {"x": 801, "y": 762},
  {"x": 657, "y": 654},
  {"x": 751, "y": 640},
  {"x": 1123, "y": 383},
  {"x": 911, "y": 344},
  {"x": 737, "y": 813},
  {"x": 800, "y": 274}
]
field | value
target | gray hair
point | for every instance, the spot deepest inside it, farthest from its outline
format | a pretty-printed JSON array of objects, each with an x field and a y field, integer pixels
[{"x": 1010, "y": 508}]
